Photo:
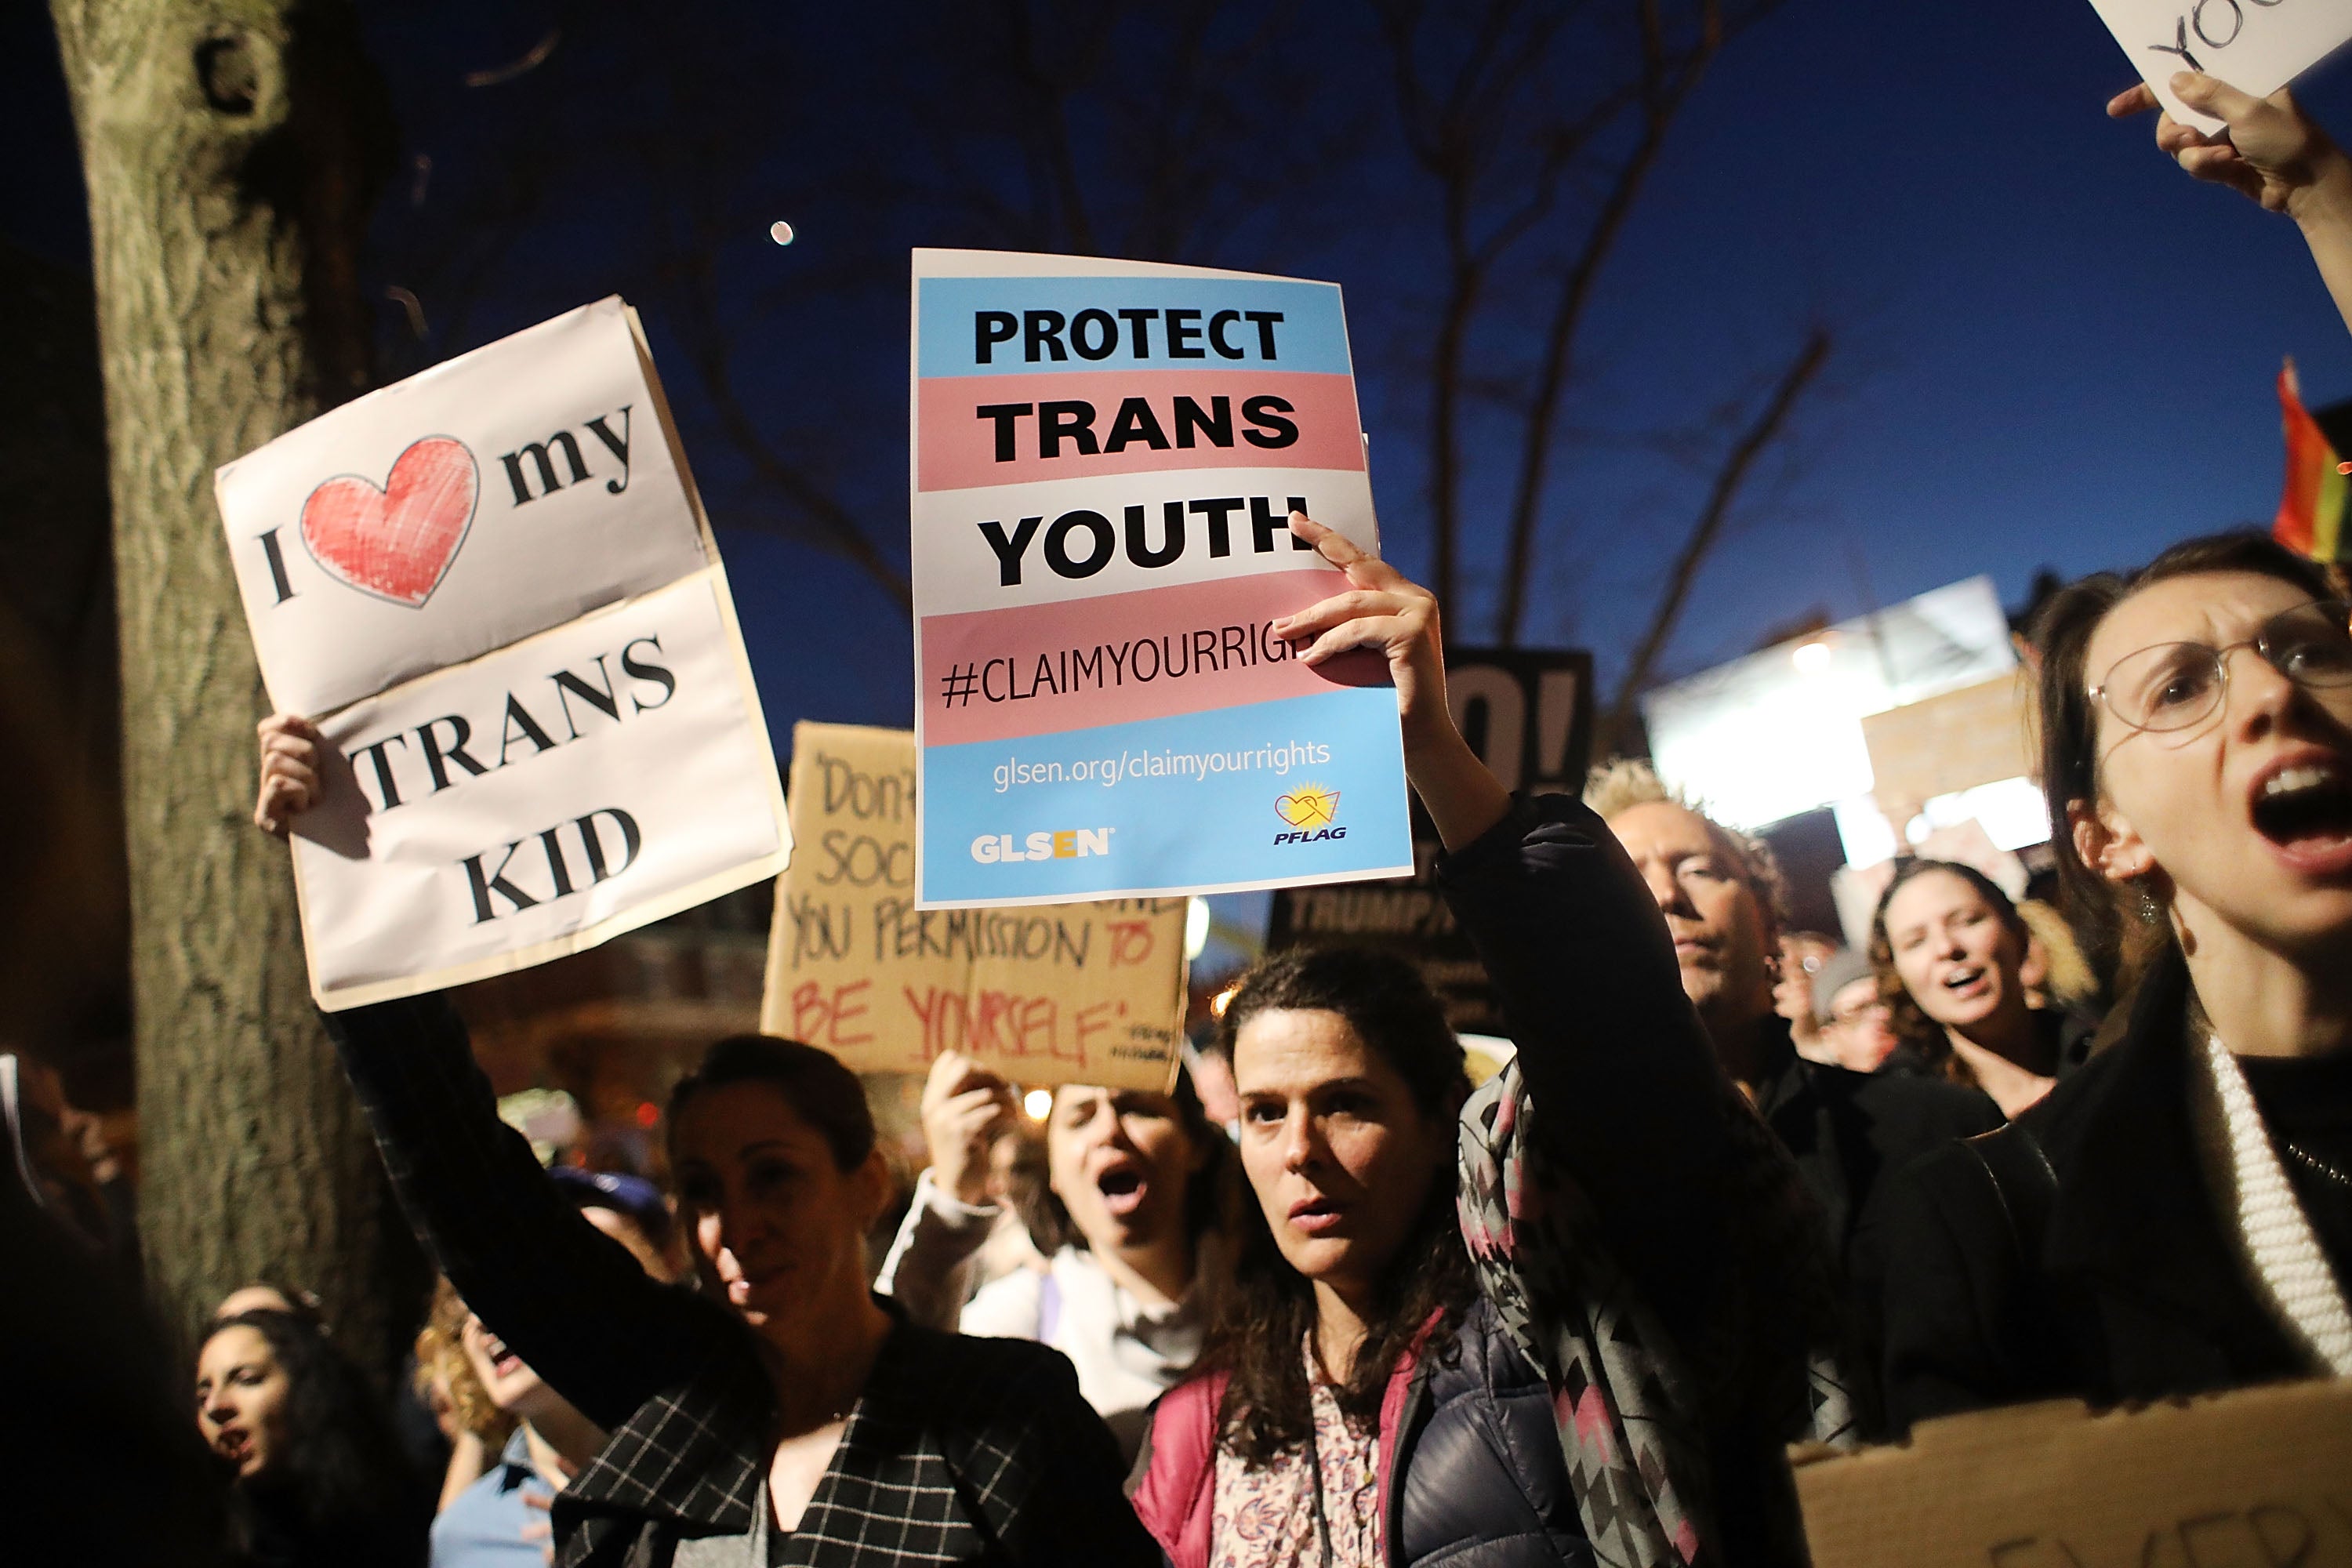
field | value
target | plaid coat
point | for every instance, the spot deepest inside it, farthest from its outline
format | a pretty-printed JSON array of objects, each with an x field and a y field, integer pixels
[{"x": 959, "y": 1450}]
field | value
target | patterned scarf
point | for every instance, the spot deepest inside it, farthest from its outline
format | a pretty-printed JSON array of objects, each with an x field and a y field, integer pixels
[{"x": 1627, "y": 1408}]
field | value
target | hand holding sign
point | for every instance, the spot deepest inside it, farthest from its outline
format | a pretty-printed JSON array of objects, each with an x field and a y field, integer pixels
[
  {"x": 291, "y": 755},
  {"x": 1385, "y": 611},
  {"x": 965, "y": 1107},
  {"x": 2257, "y": 45},
  {"x": 2267, "y": 150},
  {"x": 2270, "y": 152}
]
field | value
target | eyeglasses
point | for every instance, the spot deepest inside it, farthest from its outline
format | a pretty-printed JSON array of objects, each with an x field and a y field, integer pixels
[{"x": 2176, "y": 684}]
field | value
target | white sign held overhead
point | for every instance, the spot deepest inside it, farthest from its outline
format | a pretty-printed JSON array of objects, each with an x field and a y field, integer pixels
[
  {"x": 529, "y": 802},
  {"x": 504, "y": 492},
  {"x": 2255, "y": 46},
  {"x": 493, "y": 589}
]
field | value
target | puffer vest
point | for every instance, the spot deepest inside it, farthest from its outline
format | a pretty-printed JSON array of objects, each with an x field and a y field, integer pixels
[{"x": 1471, "y": 1472}]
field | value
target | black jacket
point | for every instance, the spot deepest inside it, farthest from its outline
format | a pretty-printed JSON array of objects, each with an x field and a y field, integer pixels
[
  {"x": 1486, "y": 1483},
  {"x": 1849, "y": 1131},
  {"x": 1711, "y": 1226},
  {"x": 2131, "y": 1290},
  {"x": 959, "y": 1450}
]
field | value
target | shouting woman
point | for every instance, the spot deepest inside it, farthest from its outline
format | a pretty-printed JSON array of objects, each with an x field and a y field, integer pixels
[
  {"x": 2177, "y": 1216},
  {"x": 1134, "y": 1181}
]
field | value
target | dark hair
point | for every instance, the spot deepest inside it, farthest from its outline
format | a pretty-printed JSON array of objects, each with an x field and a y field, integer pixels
[
  {"x": 2070, "y": 721},
  {"x": 340, "y": 1477},
  {"x": 821, "y": 1091},
  {"x": 1209, "y": 1195},
  {"x": 1259, "y": 1339},
  {"x": 302, "y": 1305},
  {"x": 1906, "y": 1016},
  {"x": 1040, "y": 1211}
]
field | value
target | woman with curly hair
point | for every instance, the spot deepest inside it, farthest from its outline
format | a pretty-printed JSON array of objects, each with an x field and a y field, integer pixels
[
  {"x": 1567, "y": 1317},
  {"x": 445, "y": 1380},
  {"x": 1951, "y": 950},
  {"x": 317, "y": 1475}
]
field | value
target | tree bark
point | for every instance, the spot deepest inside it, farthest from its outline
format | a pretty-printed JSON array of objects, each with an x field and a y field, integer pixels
[{"x": 229, "y": 148}]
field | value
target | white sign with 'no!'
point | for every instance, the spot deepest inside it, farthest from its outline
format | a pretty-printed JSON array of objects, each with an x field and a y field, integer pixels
[
  {"x": 493, "y": 588},
  {"x": 2255, "y": 46}
]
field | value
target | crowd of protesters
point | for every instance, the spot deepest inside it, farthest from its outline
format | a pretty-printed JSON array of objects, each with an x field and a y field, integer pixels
[{"x": 1736, "y": 1187}]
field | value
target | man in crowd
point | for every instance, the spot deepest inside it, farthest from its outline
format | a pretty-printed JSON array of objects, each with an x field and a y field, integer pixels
[
  {"x": 1720, "y": 892},
  {"x": 1852, "y": 1019},
  {"x": 1801, "y": 954}
]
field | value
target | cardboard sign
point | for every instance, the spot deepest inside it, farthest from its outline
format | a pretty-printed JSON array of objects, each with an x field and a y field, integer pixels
[
  {"x": 1104, "y": 457},
  {"x": 2261, "y": 1477},
  {"x": 2256, "y": 46},
  {"x": 1528, "y": 713},
  {"x": 1059, "y": 993},
  {"x": 493, "y": 588},
  {"x": 1979, "y": 734}
]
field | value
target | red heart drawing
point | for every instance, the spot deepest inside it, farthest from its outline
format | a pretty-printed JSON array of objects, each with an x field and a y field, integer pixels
[{"x": 396, "y": 543}]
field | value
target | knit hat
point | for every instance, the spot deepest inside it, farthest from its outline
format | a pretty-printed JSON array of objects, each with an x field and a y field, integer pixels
[
  {"x": 632, "y": 1197},
  {"x": 1838, "y": 971}
]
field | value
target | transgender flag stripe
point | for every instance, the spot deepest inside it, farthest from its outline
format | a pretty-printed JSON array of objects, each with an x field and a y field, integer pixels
[{"x": 995, "y": 675}]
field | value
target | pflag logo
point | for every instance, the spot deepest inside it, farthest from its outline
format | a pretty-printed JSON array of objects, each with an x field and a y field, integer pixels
[{"x": 1312, "y": 813}]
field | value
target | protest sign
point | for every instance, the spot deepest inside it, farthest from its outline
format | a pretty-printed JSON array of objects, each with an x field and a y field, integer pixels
[
  {"x": 2255, "y": 46},
  {"x": 1979, "y": 734},
  {"x": 1105, "y": 456},
  {"x": 1080, "y": 993},
  {"x": 493, "y": 588},
  {"x": 1528, "y": 713},
  {"x": 506, "y": 491},
  {"x": 2261, "y": 1477}
]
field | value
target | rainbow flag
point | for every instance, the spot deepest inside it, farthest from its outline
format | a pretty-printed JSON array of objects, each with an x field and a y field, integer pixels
[{"x": 2311, "y": 507}]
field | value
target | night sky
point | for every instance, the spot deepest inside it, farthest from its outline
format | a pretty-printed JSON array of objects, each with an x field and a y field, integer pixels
[{"x": 2051, "y": 347}]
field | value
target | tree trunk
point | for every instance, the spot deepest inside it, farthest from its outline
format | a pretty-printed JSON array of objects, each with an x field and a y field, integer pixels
[{"x": 229, "y": 149}]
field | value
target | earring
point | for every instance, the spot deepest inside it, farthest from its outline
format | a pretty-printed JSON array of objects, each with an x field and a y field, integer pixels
[{"x": 2150, "y": 911}]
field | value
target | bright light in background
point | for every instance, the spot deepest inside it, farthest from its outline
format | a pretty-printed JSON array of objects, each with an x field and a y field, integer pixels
[
  {"x": 781, "y": 232},
  {"x": 1196, "y": 927},
  {"x": 1864, "y": 831},
  {"x": 1780, "y": 731},
  {"x": 1223, "y": 1000},
  {"x": 1037, "y": 1103},
  {"x": 2011, "y": 812}
]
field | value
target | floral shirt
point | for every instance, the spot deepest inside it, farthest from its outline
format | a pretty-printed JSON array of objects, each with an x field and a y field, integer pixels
[{"x": 1264, "y": 1518}]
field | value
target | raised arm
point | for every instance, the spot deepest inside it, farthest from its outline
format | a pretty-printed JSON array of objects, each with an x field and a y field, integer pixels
[
  {"x": 928, "y": 1268},
  {"x": 2271, "y": 153},
  {"x": 1627, "y": 1093},
  {"x": 566, "y": 1298}
]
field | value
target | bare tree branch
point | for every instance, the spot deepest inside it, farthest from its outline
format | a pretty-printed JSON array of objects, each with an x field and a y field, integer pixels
[
  {"x": 1665, "y": 89},
  {"x": 1769, "y": 420},
  {"x": 708, "y": 347}
]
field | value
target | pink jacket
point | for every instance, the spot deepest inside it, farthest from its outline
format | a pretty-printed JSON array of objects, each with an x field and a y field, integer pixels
[{"x": 1176, "y": 1499}]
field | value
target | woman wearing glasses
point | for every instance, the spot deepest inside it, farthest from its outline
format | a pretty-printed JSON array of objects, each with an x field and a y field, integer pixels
[{"x": 2176, "y": 1216}]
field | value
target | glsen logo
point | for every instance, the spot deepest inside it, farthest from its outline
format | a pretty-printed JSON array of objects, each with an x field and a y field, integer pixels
[
  {"x": 1309, "y": 809},
  {"x": 1069, "y": 844}
]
